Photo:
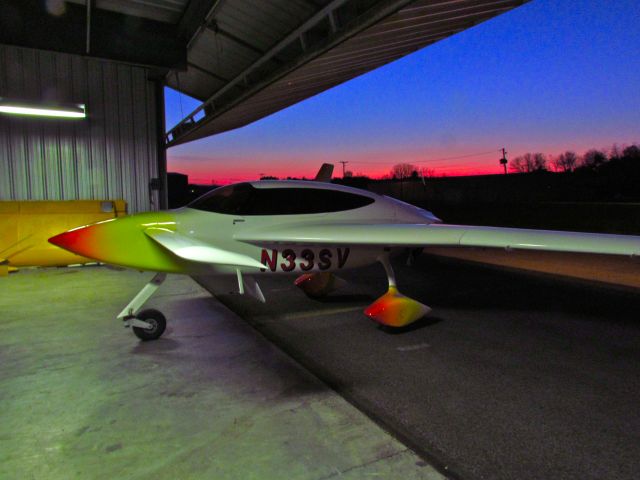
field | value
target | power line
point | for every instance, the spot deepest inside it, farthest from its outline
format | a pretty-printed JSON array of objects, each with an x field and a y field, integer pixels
[
  {"x": 343, "y": 165},
  {"x": 179, "y": 96},
  {"x": 503, "y": 160},
  {"x": 491, "y": 152}
]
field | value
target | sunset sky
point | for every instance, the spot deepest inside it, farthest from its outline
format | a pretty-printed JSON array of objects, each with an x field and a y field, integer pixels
[{"x": 548, "y": 76}]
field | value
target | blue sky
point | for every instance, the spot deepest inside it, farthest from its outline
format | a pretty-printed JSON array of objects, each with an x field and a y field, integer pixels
[{"x": 547, "y": 76}]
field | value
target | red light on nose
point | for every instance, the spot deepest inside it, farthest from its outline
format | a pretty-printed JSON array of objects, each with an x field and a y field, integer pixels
[
  {"x": 75, "y": 241},
  {"x": 62, "y": 240}
]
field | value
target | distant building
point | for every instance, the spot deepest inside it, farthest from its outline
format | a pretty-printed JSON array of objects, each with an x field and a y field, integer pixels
[
  {"x": 178, "y": 189},
  {"x": 181, "y": 192}
]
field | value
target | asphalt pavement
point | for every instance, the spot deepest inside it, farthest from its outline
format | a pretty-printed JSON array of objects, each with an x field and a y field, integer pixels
[{"x": 512, "y": 376}]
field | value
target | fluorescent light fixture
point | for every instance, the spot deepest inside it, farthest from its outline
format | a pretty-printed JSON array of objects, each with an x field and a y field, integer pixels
[{"x": 17, "y": 107}]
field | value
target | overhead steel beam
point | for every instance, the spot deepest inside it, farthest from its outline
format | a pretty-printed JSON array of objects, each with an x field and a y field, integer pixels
[
  {"x": 383, "y": 9},
  {"x": 207, "y": 72},
  {"x": 203, "y": 23},
  {"x": 27, "y": 23},
  {"x": 345, "y": 41},
  {"x": 194, "y": 17},
  {"x": 273, "y": 51},
  {"x": 213, "y": 26}
]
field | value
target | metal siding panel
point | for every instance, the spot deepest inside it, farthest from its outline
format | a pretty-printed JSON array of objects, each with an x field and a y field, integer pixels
[
  {"x": 35, "y": 132},
  {"x": 147, "y": 144},
  {"x": 113, "y": 171},
  {"x": 98, "y": 149},
  {"x": 48, "y": 165},
  {"x": 125, "y": 125},
  {"x": 6, "y": 175},
  {"x": 18, "y": 154},
  {"x": 34, "y": 163},
  {"x": 141, "y": 130},
  {"x": 30, "y": 86},
  {"x": 97, "y": 144},
  {"x": 68, "y": 179},
  {"x": 15, "y": 76},
  {"x": 81, "y": 136},
  {"x": 6, "y": 184},
  {"x": 152, "y": 158},
  {"x": 112, "y": 154},
  {"x": 3, "y": 71}
]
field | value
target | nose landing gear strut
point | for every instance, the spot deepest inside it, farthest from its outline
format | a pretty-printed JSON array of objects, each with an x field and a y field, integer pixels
[{"x": 147, "y": 324}]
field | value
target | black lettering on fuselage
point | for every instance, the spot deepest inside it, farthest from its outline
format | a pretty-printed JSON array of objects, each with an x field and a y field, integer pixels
[
  {"x": 290, "y": 257},
  {"x": 325, "y": 259},
  {"x": 307, "y": 260},
  {"x": 308, "y": 255},
  {"x": 270, "y": 261},
  {"x": 342, "y": 257}
]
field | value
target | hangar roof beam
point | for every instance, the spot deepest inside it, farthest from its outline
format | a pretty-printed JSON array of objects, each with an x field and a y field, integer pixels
[
  {"x": 27, "y": 23},
  {"x": 335, "y": 35},
  {"x": 244, "y": 59},
  {"x": 328, "y": 46}
]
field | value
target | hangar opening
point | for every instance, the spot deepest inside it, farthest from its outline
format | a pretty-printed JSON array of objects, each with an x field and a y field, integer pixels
[
  {"x": 243, "y": 59},
  {"x": 465, "y": 391}
]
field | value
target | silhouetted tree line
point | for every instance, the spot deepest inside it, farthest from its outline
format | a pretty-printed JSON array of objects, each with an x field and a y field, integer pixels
[
  {"x": 594, "y": 161},
  {"x": 402, "y": 171}
]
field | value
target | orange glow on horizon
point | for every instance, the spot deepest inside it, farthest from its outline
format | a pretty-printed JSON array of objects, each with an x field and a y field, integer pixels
[
  {"x": 377, "y": 164},
  {"x": 221, "y": 172},
  {"x": 199, "y": 177}
]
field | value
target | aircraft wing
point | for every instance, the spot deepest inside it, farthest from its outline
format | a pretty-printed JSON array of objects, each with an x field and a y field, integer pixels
[
  {"x": 421, "y": 235},
  {"x": 197, "y": 251}
]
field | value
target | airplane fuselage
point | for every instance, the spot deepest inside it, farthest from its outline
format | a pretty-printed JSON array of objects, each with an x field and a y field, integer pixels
[
  {"x": 222, "y": 230},
  {"x": 210, "y": 229},
  {"x": 293, "y": 227}
]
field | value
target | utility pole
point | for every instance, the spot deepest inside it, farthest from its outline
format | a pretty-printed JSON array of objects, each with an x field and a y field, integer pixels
[
  {"x": 503, "y": 160},
  {"x": 343, "y": 165}
]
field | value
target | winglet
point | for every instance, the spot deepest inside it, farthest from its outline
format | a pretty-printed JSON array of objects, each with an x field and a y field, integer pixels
[{"x": 325, "y": 172}]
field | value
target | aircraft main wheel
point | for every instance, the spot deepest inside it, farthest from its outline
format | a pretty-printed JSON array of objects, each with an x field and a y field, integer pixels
[{"x": 156, "y": 320}]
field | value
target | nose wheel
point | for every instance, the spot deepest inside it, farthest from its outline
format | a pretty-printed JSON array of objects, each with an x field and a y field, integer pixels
[
  {"x": 146, "y": 324},
  {"x": 156, "y": 325}
]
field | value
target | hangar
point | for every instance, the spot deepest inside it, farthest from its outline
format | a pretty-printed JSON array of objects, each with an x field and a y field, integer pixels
[
  {"x": 214, "y": 399},
  {"x": 243, "y": 59}
]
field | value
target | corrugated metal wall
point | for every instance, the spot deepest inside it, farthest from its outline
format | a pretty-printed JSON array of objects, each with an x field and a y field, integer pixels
[{"x": 110, "y": 155}]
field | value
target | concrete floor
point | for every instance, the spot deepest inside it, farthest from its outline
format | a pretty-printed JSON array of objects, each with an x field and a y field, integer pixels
[{"x": 81, "y": 397}]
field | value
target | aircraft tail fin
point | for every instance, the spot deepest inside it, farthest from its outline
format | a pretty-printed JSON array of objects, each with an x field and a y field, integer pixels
[{"x": 325, "y": 172}]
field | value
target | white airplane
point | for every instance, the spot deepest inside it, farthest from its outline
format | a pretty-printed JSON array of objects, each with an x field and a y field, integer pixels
[{"x": 312, "y": 228}]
